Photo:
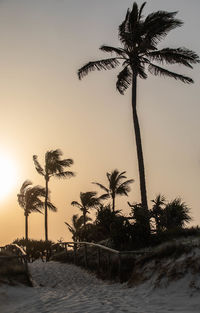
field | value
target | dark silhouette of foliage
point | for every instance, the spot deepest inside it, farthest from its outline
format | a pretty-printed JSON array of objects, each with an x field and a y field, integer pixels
[
  {"x": 138, "y": 55},
  {"x": 175, "y": 214},
  {"x": 30, "y": 200},
  {"x": 88, "y": 200},
  {"x": 54, "y": 167},
  {"x": 140, "y": 225},
  {"x": 76, "y": 227},
  {"x": 35, "y": 248},
  {"x": 116, "y": 186},
  {"x": 157, "y": 210}
]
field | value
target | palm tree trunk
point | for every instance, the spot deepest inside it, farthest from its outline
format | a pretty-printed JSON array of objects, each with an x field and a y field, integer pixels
[
  {"x": 45, "y": 209},
  {"x": 113, "y": 203},
  {"x": 26, "y": 227},
  {"x": 139, "y": 145}
]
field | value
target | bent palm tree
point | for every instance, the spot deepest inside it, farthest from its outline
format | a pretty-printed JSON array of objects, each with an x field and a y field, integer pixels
[
  {"x": 139, "y": 38},
  {"x": 54, "y": 167},
  {"x": 88, "y": 200},
  {"x": 116, "y": 186},
  {"x": 30, "y": 200}
]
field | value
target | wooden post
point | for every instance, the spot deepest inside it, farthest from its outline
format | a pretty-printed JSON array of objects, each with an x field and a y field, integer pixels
[
  {"x": 75, "y": 246},
  {"x": 85, "y": 254},
  {"x": 119, "y": 266},
  {"x": 98, "y": 258},
  {"x": 109, "y": 265}
]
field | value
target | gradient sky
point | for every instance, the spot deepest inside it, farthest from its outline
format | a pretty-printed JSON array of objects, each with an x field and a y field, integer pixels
[{"x": 44, "y": 106}]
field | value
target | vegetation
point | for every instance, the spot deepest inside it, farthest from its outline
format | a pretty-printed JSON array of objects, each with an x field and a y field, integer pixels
[
  {"x": 116, "y": 186},
  {"x": 88, "y": 200},
  {"x": 35, "y": 248},
  {"x": 30, "y": 199},
  {"x": 54, "y": 167},
  {"x": 138, "y": 53},
  {"x": 12, "y": 270},
  {"x": 77, "y": 226}
]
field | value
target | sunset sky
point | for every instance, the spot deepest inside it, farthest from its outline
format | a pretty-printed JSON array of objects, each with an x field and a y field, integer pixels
[{"x": 44, "y": 107}]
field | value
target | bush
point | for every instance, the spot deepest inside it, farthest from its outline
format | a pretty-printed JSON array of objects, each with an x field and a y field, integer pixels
[{"x": 35, "y": 248}]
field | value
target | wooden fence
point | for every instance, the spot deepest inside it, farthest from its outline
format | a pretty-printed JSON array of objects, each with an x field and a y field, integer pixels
[
  {"x": 17, "y": 253},
  {"x": 112, "y": 255}
]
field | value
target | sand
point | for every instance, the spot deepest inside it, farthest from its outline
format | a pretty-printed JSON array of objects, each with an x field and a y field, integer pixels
[{"x": 60, "y": 288}]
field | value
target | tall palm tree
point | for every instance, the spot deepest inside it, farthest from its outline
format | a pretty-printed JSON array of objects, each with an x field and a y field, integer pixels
[
  {"x": 116, "y": 186},
  {"x": 75, "y": 227},
  {"x": 139, "y": 39},
  {"x": 30, "y": 199},
  {"x": 88, "y": 200},
  {"x": 54, "y": 167}
]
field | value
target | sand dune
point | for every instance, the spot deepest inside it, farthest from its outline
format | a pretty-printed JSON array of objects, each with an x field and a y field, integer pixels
[{"x": 60, "y": 288}]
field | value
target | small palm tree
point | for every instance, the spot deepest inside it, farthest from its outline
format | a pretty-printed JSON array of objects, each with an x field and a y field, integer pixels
[
  {"x": 30, "y": 199},
  {"x": 157, "y": 210},
  {"x": 116, "y": 186},
  {"x": 175, "y": 214},
  {"x": 88, "y": 200},
  {"x": 75, "y": 227},
  {"x": 138, "y": 53},
  {"x": 54, "y": 167}
]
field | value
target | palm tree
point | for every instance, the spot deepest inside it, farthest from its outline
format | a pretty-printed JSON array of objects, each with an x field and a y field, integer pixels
[
  {"x": 175, "y": 214},
  {"x": 30, "y": 200},
  {"x": 139, "y": 39},
  {"x": 157, "y": 210},
  {"x": 54, "y": 167},
  {"x": 116, "y": 186},
  {"x": 75, "y": 227},
  {"x": 88, "y": 200}
]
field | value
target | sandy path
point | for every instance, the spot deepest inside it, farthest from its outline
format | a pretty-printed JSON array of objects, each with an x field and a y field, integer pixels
[{"x": 64, "y": 288}]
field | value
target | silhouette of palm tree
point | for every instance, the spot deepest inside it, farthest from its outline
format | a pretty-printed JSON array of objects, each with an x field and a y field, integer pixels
[
  {"x": 139, "y": 38},
  {"x": 116, "y": 186},
  {"x": 88, "y": 200},
  {"x": 30, "y": 200},
  {"x": 75, "y": 227},
  {"x": 54, "y": 167},
  {"x": 175, "y": 214},
  {"x": 157, "y": 210}
]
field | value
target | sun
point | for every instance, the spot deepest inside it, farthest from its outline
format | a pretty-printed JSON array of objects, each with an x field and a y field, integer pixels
[{"x": 8, "y": 176}]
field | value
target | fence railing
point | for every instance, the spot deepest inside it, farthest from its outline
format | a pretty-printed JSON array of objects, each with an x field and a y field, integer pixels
[
  {"x": 17, "y": 253},
  {"x": 101, "y": 250}
]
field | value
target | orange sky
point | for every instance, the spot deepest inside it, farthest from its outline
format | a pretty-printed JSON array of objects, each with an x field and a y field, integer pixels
[{"x": 44, "y": 107}]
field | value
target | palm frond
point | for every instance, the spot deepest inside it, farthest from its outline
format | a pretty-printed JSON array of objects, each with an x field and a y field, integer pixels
[
  {"x": 157, "y": 70},
  {"x": 140, "y": 11},
  {"x": 75, "y": 203},
  {"x": 25, "y": 184},
  {"x": 105, "y": 196},
  {"x": 106, "y": 64},
  {"x": 124, "y": 80},
  {"x": 64, "y": 174},
  {"x": 38, "y": 167},
  {"x": 66, "y": 162},
  {"x": 70, "y": 228},
  {"x": 118, "y": 51},
  {"x": 182, "y": 56},
  {"x": 124, "y": 188},
  {"x": 101, "y": 186},
  {"x": 51, "y": 206},
  {"x": 158, "y": 24}
]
